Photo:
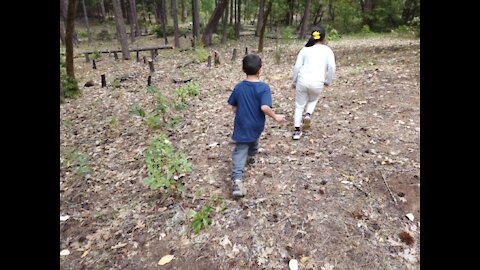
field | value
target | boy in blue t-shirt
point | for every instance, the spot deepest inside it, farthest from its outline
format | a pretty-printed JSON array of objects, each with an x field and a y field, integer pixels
[{"x": 251, "y": 100}]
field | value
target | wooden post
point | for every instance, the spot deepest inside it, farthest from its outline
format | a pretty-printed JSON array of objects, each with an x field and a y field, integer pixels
[
  {"x": 234, "y": 54},
  {"x": 246, "y": 50},
  {"x": 87, "y": 58},
  {"x": 115, "y": 55},
  {"x": 216, "y": 59},
  {"x": 144, "y": 59},
  {"x": 209, "y": 64},
  {"x": 104, "y": 81},
  {"x": 156, "y": 52},
  {"x": 149, "y": 80},
  {"x": 150, "y": 64},
  {"x": 152, "y": 53},
  {"x": 94, "y": 65},
  {"x": 138, "y": 56}
]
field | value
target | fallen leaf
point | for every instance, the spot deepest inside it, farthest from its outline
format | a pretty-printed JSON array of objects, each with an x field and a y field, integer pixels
[
  {"x": 166, "y": 259},
  {"x": 293, "y": 264},
  {"x": 119, "y": 245},
  {"x": 65, "y": 252},
  {"x": 304, "y": 259}
]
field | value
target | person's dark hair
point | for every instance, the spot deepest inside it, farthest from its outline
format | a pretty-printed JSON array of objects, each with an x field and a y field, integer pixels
[
  {"x": 251, "y": 64},
  {"x": 317, "y": 37}
]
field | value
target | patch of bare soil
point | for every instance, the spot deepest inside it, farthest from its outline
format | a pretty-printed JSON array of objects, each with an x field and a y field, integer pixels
[{"x": 336, "y": 199}]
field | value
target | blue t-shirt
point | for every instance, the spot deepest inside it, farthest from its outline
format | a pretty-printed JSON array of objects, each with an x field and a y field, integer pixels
[{"x": 249, "y": 118}]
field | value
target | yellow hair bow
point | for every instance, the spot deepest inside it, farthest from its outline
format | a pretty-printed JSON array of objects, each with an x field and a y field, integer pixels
[{"x": 316, "y": 35}]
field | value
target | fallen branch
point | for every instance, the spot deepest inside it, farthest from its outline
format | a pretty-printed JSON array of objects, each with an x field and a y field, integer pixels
[
  {"x": 363, "y": 191},
  {"x": 388, "y": 187},
  {"x": 182, "y": 81}
]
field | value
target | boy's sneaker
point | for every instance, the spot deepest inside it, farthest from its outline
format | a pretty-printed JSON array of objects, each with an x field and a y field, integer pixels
[
  {"x": 251, "y": 161},
  {"x": 306, "y": 122},
  {"x": 297, "y": 134},
  {"x": 238, "y": 190}
]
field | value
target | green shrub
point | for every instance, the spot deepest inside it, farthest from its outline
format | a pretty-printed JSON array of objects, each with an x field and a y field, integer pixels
[
  {"x": 189, "y": 89},
  {"x": 200, "y": 218},
  {"x": 200, "y": 54}
]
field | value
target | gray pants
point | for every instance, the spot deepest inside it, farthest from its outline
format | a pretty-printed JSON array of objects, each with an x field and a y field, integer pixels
[{"x": 239, "y": 157}]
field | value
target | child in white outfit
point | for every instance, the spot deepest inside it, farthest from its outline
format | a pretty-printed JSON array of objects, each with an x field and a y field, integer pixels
[{"x": 314, "y": 70}]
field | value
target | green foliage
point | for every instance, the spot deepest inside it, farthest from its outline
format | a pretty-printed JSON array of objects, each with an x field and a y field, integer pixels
[
  {"x": 165, "y": 165},
  {"x": 70, "y": 85},
  {"x": 200, "y": 218},
  {"x": 200, "y": 54},
  {"x": 113, "y": 122},
  {"x": 136, "y": 110},
  {"x": 76, "y": 161},
  {"x": 333, "y": 35},
  {"x": 158, "y": 30},
  {"x": 189, "y": 89},
  {"x": 116, "y": 83},
  {"x": 96, "y": 55},
  {"x": 415, "y": 26},
  {"x": 365, "y": 30},
  {"x": 172, "y": 122},
  {"x": 104, "y": 35}
]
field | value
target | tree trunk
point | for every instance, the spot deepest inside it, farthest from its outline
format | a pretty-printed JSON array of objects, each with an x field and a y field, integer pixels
[
  {"x": 264, "y": 24},
  {"x": 63, "y": 17},
  {"x": 132, "y": 21},
  {"x": 410, "y": 9},
  {"x": 318, "y": 15},
  {"x": 164, "y": 19},
  {"x": 121, "y": 34},
  {"x": 175, "y": 23},
  {"x": 62, "y": 33},
  {"x": 231, "y": 12},
  {"x": 86, "y": 19},
  {"x": 62, "y": 93},
  {"x": 213, "y": 22},
  {"x": 69, "y": 38},
  {"x": 195, "y": 20},
  {"x": 184, "y": 11},
  {"x": 306, "y": 15},
  {"x": 331, "y": 11},
  {"x": 102, "y": 9},
  {"x": 238, "y": 19},
  {"x": 134, "y": 25},
  {"x": 367, "y": 9},
  {"x": 289, "y": 17},
  {"x": 261, "y": 11},
  {"x": 225, "y": 25}
]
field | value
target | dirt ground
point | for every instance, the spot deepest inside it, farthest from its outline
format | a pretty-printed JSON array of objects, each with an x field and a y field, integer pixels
[{"x": 336, "y": 199}]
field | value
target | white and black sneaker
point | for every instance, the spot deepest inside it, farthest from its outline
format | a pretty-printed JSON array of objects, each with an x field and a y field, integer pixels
[
  {"x": 297, "y": 134},
  {"x": 306, "y": 122},
  {"x": 238, "y": 190}
]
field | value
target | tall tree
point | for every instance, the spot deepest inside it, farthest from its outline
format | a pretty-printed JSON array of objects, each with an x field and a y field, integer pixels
[
  {"x": 102, "y": 9},
  {"x": 238, "y": 19},
  {"x": 410, "y": 10},
  {"x": 125, "y": 10},
  {"x": 306, "y": 15},
  {"x": 184, "y": 11},
  {"x": 264, "y": 25},
  {"x": 121, "y": 34},
  {"x": 175, "y": 23},
  {"x": 70, "y": 28},
  {"x": 62, "y": 33},
  {"x": 225, "y": 24},
  {"x": 231, "y": 11},
  {"x": 134, "y": 25},
  {"x": 195, "y": 21},
  {"x": 162, "y": 17},
  {"x": 213, "y": 22},
  {"x": 86, "y": 20},
  {"x": 367, "y": 10},
  {"x": 261, "y": 11},
  {"x": 63, "y": 20}
]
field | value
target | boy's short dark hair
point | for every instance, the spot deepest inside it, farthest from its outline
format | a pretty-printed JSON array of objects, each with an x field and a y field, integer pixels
[{"x": 251, "y": 64}]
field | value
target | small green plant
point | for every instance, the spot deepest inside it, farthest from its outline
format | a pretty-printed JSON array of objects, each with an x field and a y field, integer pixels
[
  {"x": 153, "y": 121},
  {"x": 116, "y": 83},
  {"x": 175, "y": 120},
  {"x": 96, "y": 55},
  {"x": 200, "y": 218},
  {"x": 334, "y": 35},
  {"x": 77, "y": 161},
  {"x": 165, "y": 165},
  {"x": 137, "y": 110},
  {"x": 113, "y": 122},
  {"x": 200, "y": 54},
  {"x": 189, "y": 89},
  {"x": 366, "y": 30}
]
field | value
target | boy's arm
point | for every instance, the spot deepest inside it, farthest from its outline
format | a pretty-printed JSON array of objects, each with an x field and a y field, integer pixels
[
  {"x": 234, "y": 109},
  {"x": 268, "y": 111}
]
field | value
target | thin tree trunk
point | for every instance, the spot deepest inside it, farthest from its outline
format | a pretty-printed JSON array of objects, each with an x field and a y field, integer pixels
[
  {"x": 62, "y": 33},
  {"x": 264, "y": 24},
  {"x": 184, "y": 11},
  {"x": 86, "y": 19},
  {"x": 231, "y": 12},
  {"x": 238, "y": 19},
  {"x": 196, "y": 21},
  {"x": 102, "y": 9},
  {"x": 132, "y": 21},
  {"x": 175, "y": 23},
  {"x": 121, "y": 34},
  {"x": 134, "y": 26},
  {"x": 306, "y": 15},
  {"x": 70, "y": 28},
  {"x": 225, "y": 25},
  {"x": 125, "y": 11},
  {"x": 213, "y": 22},
  {"x": 164, "y": 19},
  {"x": 261, "y": 11}
]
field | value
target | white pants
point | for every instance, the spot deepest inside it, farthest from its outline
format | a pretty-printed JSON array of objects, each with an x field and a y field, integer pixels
[{"x": 306, "y": 96}]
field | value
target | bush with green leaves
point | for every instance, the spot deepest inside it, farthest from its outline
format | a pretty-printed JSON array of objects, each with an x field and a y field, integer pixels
[
  {"x": 70, "y": 85},
  {"x": 165, "y": 165},
  {"x": 189, "y": 89},
  {"x": 199, "y": 54},
  {"x": 200, "y": 218},
  {"x": 333, "y": 35},
  {"x": 158, "y": 30},
  {"x": 76, "y": 161}
]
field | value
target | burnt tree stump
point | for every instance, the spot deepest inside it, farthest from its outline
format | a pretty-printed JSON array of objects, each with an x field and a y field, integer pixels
[
  {"x": 209, "y": 64},
  {"x": 149, "y": 80},
  {"x": 150, "y": 65},
  {"x": 138, "y": 56},
  {"x": 104, "y": 81},
  {"x": 234, "y": 54},
  {"x": 115, "y": 55},
  {"x": 216, "y": 59},
  {"x": 94, "y": 66}
]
